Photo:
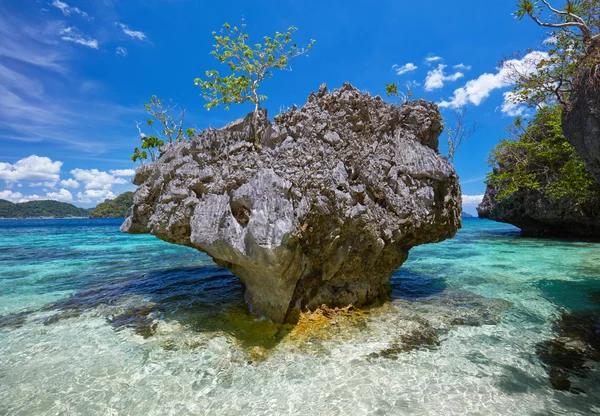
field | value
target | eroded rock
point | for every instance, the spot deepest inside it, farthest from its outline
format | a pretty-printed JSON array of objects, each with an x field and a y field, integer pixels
[
  {"x": 340, "y": 191},
  {"x": 581, "y": 121}
]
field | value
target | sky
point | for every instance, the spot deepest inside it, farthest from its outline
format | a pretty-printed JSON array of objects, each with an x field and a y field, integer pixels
[{"x": 74, "y": 76}]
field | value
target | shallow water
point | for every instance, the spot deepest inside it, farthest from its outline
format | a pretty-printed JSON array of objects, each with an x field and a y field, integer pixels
[{"x": 95, "y": 322}]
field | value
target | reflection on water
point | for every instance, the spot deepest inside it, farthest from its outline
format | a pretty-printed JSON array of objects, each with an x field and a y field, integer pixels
[{"x": 97, "y": 322}]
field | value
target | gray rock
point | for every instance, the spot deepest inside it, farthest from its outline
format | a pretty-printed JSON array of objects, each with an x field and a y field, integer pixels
[
  {"x": 539, "y": 216},
  {"x": 340, "y": 191},
  {"x": 581, "y": 122}
]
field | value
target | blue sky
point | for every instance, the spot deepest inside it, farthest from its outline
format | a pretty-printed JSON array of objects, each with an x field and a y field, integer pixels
[{"x": 74, "y": 75}]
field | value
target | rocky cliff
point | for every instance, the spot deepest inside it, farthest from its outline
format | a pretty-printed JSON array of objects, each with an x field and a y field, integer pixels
[
  {"x": 540, "y": 184},
  {"x": 322, "y": 213},
  {"x": 581, "y": 122},
  {"x": 539, "y": 216}
]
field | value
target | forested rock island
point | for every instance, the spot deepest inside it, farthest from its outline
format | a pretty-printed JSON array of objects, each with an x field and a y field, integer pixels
[{"x": 110, "y": 208}]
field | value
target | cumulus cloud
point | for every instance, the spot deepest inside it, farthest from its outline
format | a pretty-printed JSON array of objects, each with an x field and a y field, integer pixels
[
  {"x": 477, "y": 90},
  {"x": 62, "y": 195},
  {"x": 68, "y": 10},
  {"x": 121, "y": 51},
  {"x": 409, "y": 67},
  {"x": 437, "y": 77},
  {"x": 11, "y": 196},
  {"x": 122, "y": 172},
  {"x": 462, "y": 67},
  {"x": 472, "y": 199},
  {"x": 69, "y": 183},
  {"x": 31, "y": 168},
  {"x": 432, "y": 59},
  {"x": 511, "y": 107},
  {"x": 94, "y": 196},
  {"x": 132, "y": 33},
  {"x": 95, "y": 179},
  {"x": 71, "y": 34}
]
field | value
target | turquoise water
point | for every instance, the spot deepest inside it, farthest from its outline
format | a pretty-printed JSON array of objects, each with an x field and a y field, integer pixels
[{"x": 95, "y": 322}]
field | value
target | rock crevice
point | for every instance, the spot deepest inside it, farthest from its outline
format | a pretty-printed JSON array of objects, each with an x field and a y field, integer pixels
[{"x": 339, "y": 192}]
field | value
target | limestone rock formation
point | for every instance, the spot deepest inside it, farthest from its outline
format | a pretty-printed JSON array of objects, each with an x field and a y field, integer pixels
[
  {"x": 322, "y": 213},
  {"x": 581, "y": 123},
  {"x": 538, "y": 216}
]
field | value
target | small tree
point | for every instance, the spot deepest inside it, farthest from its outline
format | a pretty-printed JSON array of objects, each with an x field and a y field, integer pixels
[
  {"x": 460, "y": 132},
  {"x": 392, "y": 89},
  {"x": 139, "y": 155},
  {"x": 170, "y": 130},
  {"x": 249, "y": 66},
  {"x": 171, "y": 126}
]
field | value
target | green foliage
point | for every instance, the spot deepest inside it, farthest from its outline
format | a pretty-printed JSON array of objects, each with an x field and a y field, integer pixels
[
  {"x": 249, "y": 65},
  {"x": 171, "y": 126},
  {"x": 190, "y": 132},
  {"x": 38, "y": 209},
  {"x": 392, "y": 90},
  {"x": 139, "y": 155},
  {"x": 114, "y": 208},
  {"x": 538, "y": 158},
  {"x": 170, "y": 129}
]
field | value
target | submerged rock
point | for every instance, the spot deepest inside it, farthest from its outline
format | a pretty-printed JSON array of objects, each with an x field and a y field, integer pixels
[
  {"x": 575, "y": 352},
  {"x": 340, "y": 191}
]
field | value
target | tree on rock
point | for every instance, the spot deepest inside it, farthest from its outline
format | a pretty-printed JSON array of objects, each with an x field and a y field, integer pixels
[
  {"x": 248, "y": 64},
  {"x": 574, "y": 42}
]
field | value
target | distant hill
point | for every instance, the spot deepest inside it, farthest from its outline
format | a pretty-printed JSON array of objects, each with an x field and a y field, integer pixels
[
  {"x": 114, "y": 208},
  {"x": 465, "y": 215},
  {"x": 37, "y": 209}
]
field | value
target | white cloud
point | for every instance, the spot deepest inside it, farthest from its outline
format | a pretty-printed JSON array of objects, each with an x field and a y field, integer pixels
[
  {"x": 70, "y": 183},
  {"x": 477, "y": 90},
  {"x": 71, "y": 34},
  {"x": 122, "y": 172},
  {"x": 409, "y": 67},
  {"x": 62, "y": 195},
  {"x": 132, "y": 33},
  {"x": 121, "y": 51},
  {"x": 94, "y": 196},
  {"x": 95, "y": 179},
  {"x": 432, "y": 59},
  {"x": 436, "y": 78},
  {"x": 511, "y": 107},
  {"x": 32, "y": 168},
  {"x": 462, "y": 67},
  {"x": 11, "y": 196},
  {"x": 67, "y": 10},
  {"x": 472, "y": 199}
]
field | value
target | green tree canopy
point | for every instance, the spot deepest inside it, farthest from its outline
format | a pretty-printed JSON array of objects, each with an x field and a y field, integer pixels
[
  {"x": 114, "y": 208},
  {"x": 537, "y": 157},
  {"x": 248, "y": 64}
]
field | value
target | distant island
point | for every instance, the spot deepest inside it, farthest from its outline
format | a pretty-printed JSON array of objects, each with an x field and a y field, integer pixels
[
  {"x": 115, "y": 208},
  {"x": 465, "y": 215}
]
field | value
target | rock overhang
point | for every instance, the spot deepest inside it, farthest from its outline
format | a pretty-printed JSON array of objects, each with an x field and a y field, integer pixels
[{"x": 328, "y": 208}]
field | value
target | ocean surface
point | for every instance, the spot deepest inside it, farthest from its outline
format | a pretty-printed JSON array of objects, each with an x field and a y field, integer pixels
[{"x": 96, "y": 322}]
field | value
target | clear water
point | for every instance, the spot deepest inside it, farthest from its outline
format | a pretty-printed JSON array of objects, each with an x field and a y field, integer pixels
[{"x": 95, "y": 322}]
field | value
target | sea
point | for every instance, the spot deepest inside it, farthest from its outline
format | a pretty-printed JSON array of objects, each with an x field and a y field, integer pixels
[{"x": 97, "y": 322}]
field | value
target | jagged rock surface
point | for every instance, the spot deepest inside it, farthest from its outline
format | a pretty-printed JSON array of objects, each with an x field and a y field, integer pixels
[
  {"x": 581, "y": 123},
  {"x": 539, "y": 216},
  {"x": 323, "y": 214}
]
